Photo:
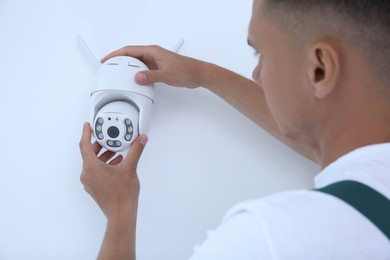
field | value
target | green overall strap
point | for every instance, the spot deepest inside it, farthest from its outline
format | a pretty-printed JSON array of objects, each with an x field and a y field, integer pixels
[{"x": 364, "y": 199}]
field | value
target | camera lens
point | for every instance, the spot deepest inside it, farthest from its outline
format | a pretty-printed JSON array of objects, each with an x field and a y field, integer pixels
[{"x": 113, "y": 132}]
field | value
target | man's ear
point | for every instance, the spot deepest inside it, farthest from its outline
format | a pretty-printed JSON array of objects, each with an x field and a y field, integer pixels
[{"x": 324, "y": 69}]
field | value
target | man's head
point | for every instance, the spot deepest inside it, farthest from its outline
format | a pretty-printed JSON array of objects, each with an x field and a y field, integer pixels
[
  {"x": 363, "y": 24},
  {"x": 320, "y": 57}
]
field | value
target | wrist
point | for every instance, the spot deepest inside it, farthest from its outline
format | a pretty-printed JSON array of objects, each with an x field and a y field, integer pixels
[
  {"x": 122, "y": 212},
  {"x": 199, "y": 73},
  {"x": 209, "y": 75},
  {"x": 119, "y": 240}
]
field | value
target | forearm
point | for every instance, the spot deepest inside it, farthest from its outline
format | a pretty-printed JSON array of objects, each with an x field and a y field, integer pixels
[
  {"x": 119, "y": 240},
  {"x": 248, "y": 98}
]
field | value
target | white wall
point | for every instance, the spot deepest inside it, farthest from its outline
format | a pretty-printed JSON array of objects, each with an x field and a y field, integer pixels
[{"x": 202, "y": 158}]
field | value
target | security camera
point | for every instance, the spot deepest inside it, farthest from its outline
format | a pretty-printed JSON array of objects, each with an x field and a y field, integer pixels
[{"x": 120, "y": 108}]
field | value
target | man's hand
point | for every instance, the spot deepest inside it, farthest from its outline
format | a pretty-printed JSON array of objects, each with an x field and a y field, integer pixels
[
  {"x": 166, "y": 66},
  {"x": 115, "y": 188},
  {"x": 114, "y": 185}
]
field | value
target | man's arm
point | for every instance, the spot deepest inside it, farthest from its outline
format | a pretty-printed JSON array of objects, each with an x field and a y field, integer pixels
[
  {"x": 244, "y": 94},
  {"x": 247, "y": 96},
  {"x": 115, "y": 188},
  {"x": 119, "y": 239}
]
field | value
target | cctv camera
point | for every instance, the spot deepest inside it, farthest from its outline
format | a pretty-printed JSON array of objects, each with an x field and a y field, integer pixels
[
  {"x": 116, "y": 125},
  {"x": 120, "y": 108}
]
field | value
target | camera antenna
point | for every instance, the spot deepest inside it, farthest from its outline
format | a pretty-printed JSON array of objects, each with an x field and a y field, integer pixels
[
  {"x": 92, "y": 58},
  {"x": 178, "y": 46}
]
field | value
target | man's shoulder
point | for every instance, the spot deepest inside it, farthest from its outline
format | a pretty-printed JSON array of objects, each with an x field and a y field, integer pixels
[
  {"x": 307, "y": 212},
  {"x": 282, "y": 202},
  {"x": 312, "y": 220}
]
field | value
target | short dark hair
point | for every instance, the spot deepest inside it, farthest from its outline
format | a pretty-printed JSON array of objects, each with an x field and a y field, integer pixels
[{"x": 363, "y": 23}]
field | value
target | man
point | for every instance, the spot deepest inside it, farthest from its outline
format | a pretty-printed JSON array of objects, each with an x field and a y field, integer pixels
[{"x": 322, "y": 88}]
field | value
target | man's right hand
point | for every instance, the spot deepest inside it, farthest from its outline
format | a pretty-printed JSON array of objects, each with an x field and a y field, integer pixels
[{"x": 165, "y": 66}]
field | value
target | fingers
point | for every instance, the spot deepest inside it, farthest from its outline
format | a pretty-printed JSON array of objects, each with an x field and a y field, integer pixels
[
  {"x": 86, "y": 148},
  {"x": 132, "y": 158},
  {"x": 139, "y": 52},
  {"x": 96, "y": 147},
  {"x": 116, "y": 160},
  {"x": 148, "y": 77},
  {"x": 89, "y": 151},
  {"x": 160, "y": 62},
  {"x": 106, "y": 156},
  {"x": 132, "y": 51}
]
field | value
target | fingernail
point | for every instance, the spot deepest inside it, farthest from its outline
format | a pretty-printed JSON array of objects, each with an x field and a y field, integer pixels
[
  {"x": 141, "y": 77},
  {"x": 143, "y": 139}
]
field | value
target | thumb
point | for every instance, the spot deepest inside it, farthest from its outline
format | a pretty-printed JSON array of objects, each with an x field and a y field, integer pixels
[
  {"x": 133, "y": 156},
  {"x": 148, "y": 77}
]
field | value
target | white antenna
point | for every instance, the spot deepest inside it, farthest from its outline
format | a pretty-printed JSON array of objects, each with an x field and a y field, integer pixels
[
  {"x": 178, "y": 46},
  {"x": 88, "y": 52}
]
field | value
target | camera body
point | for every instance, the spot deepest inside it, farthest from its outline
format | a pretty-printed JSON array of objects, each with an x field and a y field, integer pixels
[{"x": 120, "y": 108}]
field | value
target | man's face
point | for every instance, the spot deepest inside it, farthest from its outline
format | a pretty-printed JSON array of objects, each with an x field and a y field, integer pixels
[{"x": 280, "y": 72}]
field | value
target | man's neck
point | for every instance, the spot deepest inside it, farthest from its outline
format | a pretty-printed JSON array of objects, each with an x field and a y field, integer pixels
[{"x": 362, "y": 129}]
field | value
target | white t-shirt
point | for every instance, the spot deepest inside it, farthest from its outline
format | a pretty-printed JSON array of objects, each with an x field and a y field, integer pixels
[{"x": 307, "y": 224}]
